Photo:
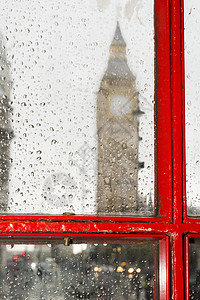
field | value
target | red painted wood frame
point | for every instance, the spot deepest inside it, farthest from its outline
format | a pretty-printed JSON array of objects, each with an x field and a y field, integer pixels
[{"x": 171, "y": 220}]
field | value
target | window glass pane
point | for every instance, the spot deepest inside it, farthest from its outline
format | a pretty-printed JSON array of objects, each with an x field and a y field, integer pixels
[
  {"x": 80, "y": 271},
  {"x": 77, "y": 116},
  {"x": 192, "y": 82},
  {"x": 194, "y": 268}
]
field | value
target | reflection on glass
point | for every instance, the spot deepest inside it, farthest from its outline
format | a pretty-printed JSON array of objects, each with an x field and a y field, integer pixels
[
  {"x": 80, "y": 271},
  {"x": 79, "y": 80},
  {"x": 192, "y": 79},
  {"x": 194, "y": 268}
]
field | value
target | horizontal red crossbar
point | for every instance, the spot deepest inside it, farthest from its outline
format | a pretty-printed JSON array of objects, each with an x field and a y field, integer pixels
[{"x": 71, "y": 226}]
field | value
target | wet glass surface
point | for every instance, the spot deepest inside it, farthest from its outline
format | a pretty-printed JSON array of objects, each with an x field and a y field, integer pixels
[
  {"x": 77, "y": 107},
  {"x": 79, "y": 271},
  {"x": 194, "y": 268},
  {"x": 192, "y": 87}
]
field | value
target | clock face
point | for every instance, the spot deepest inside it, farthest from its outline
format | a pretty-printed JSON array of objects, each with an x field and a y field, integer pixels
[{"x": 120, "y": 105}]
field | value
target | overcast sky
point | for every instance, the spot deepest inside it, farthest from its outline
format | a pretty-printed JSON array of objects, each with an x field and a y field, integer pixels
[{"x": 58, "y": 52}]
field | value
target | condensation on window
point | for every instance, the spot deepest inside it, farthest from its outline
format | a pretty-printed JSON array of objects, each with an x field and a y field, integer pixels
[
  {"x": 192, "y": 87},
  {"x": 194, "y": 268},
  {"x": 79, "y": 271},
  {"x": 77, "y": 107}
]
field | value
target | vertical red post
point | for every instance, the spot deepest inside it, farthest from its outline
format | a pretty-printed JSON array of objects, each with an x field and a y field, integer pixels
[
  {"x": 163, "y": 157},
  {"x": 177, "y": 146},
  {"x": 177, "y": 266},
  {"x": 164, "y": 278},
  {"x": 186, "y": 268}
]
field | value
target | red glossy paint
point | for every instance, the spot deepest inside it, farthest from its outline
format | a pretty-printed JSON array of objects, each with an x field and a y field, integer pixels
[
  {"x": 90, "y": 227},
  {"x": 183, "y": 113},
  {"x": 172, "y": 223},
  {"x": 177, "y": 142},
  {"x": 187, "y": 267},
  {"x": 163, "y": 109},
  {"x": 164, "y": 278}
]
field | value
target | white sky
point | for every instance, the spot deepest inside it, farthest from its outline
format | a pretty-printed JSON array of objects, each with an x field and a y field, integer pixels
[
  {"x": 192, "y": 80},
  {"x": 58, "y": 52}
]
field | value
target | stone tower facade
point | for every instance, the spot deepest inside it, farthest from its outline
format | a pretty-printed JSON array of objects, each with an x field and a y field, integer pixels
[
  {"x": 5, "y": 128},
  {"x": 117, "y": 125}
]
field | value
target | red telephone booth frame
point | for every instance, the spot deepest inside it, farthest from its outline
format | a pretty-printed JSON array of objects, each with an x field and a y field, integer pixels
[{"x": 171, "y": 224}]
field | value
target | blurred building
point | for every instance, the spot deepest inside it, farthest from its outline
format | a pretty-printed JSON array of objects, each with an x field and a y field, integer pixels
[
  {"x": 118, "y": 138},
  {"x": 5, "y": 140},
  {"x": 5, "y": 128}
]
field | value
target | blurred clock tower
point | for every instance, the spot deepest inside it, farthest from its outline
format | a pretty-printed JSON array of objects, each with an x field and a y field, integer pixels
[{"x": 117, "y": 125}]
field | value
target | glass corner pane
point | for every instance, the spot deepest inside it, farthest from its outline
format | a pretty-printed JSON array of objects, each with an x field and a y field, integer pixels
[
  {"x": 77, "y": 108},
  {"x": 80, "y": 271}
]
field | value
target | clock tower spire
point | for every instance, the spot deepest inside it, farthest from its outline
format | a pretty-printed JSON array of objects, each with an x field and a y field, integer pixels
[{"x": 117, "y": 125}]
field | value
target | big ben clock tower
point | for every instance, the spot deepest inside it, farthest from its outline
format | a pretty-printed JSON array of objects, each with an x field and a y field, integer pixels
[{"x": 117, "y": 125}]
